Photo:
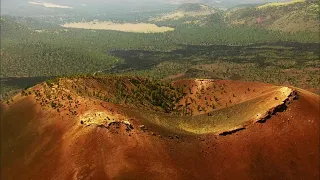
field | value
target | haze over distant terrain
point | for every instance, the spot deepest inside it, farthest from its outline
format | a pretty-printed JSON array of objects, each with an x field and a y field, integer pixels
[{"x": 28, "y": 7}]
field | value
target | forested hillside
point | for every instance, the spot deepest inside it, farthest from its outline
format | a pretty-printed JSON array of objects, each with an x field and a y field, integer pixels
[
  {"x": 34, "y": 48},
  {"x": 293, "y": 16},
  {"x": 194, "y": 7},
  {"x": 187, "y": 12},
  {"x": 10, "y": 28},
  {"x": 61, "y": 52}
]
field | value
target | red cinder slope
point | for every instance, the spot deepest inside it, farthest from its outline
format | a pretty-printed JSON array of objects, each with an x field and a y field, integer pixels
[{"x": 41, "y": 143}]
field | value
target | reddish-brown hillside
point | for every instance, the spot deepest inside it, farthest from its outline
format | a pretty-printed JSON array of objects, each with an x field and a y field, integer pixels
[{"x": 60, "y": 131}]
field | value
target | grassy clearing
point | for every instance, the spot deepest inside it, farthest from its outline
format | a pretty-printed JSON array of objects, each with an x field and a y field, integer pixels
[{"x": 124, "y": 27}]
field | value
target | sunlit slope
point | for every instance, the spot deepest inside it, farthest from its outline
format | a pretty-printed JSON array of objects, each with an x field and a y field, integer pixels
[
  {"x": 187, "y": 10},
  {"x": 290, "y": 16},
  {"x": 277, "y": 4},
  {"x": 247, "y": 108}
]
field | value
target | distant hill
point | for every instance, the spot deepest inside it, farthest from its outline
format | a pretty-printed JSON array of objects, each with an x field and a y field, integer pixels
[
  {"x": 10, "y": 28},
  {"x": 293, "y": 16},
  {"x": 194, "y": 7},
  {"x": 187, "y": 10},
  {"x": 31, "y": 23},
  {"x": 222, "y": 3}
]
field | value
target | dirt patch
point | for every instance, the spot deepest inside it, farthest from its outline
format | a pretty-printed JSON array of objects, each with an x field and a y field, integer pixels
[{"x": 104, "y": 120}]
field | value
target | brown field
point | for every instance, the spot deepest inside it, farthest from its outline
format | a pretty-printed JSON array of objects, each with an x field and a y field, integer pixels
[
  {"x": 125, "y": 27},
  {"x": 92, "y": 139}
]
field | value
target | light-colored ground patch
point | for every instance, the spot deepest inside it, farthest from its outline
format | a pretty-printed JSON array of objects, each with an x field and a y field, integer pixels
[
  {"x": 39, "y": 31},
  {"x": 125, "y": 27},
  {"x": 280, "y": 4},
  {"x": 100, "y": 118},
  {"x": 50, "y": 5},
  {"x": 51, "y": 31},
  {"x": 97, "y": 118}
]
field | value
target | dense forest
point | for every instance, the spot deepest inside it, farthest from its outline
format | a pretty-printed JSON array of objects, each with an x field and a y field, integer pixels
[
  {"x": 34, "y": 48},
  {"x": 65, "y": 52}
]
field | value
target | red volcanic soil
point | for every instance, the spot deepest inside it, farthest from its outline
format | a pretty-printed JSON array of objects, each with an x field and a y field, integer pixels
[
  {"x": 212, "y": 95},
  {"x": 40, "y": 143}
]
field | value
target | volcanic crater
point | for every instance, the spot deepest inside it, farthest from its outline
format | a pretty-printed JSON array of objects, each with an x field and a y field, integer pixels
[{"x": 110, "y": 127}]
